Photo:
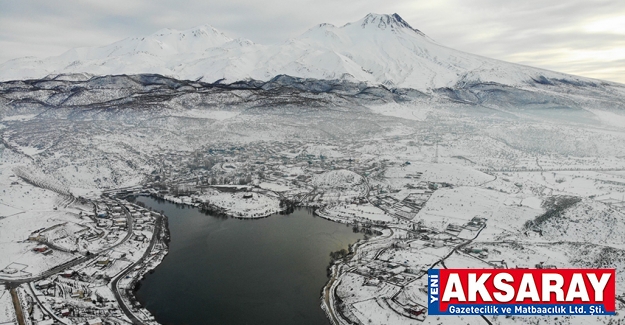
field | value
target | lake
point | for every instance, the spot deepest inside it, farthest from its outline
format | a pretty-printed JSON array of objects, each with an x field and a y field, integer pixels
[{"x": 232, "y": 271}]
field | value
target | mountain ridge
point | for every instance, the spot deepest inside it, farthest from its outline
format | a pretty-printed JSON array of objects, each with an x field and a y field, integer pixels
[{"x": 379, "y": 49}]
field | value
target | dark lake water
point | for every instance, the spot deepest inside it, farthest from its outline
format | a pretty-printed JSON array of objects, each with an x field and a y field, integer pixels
[{"x": 232, "y": 271}]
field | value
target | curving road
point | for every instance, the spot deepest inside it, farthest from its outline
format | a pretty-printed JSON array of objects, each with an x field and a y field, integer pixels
[{"x": 146, "y": 254}]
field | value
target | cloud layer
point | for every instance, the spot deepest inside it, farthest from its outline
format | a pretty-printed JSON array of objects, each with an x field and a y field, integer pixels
[{"x": 578, "y": 37}]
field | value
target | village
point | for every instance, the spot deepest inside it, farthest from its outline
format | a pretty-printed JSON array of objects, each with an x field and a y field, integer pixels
[
  {"x": 419, "y": 215},
  {"x": 76, "y": 259},
  {"x": 96, "y": 250}
]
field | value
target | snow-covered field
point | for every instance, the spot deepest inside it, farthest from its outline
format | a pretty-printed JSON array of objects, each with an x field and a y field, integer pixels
[
  {"x": 356, "y": 212},
  {"x": 243, "y": 204}
]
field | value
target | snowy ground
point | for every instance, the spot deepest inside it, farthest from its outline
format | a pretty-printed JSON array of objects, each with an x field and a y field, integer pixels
[
  {"x": 7, "y": 311},
  {"x": 243, "y": 204},
  {"x": 446, "y": 184}
]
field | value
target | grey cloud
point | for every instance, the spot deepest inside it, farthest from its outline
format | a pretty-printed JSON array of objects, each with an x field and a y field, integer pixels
[{"x": 531, "y": 32}]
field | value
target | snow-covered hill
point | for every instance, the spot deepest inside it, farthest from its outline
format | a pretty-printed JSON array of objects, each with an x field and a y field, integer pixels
[
  {"x": 155, "y": 53},
  {"x": 378, "y": 49},
  {"x": 337, "y": 179}
]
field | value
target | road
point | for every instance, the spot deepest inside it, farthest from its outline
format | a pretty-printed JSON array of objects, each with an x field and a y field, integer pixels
[
  {"x": 326, "y": 298},
  {"x": 146, "y": 254},
  {"x": 19, "y": 314},
  {"x": 42, "y": 306},
  {"x": 129, "y": 224},
  {"x": 328, "y": 291},
  {"x": 442, "y": 261}
]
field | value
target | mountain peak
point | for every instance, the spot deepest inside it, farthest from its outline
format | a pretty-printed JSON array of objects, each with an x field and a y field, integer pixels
[
  {"x": 204, "y": 29},
  {"x": 385, "y": 21},
  {"x": 197, "y": 31},
  {"x": 377, "y": 49}
]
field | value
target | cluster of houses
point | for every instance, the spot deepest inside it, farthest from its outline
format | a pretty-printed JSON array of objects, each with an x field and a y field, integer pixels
[
  {"x": 408, "y": 207},
  {"x": 72, "y": 294},
  {"x": 115, "y": 217},
  {"x": 472, "y": 226},
  {"x": 62, "y": 236},
  {"x": 94, "y": 253},
  {"x": 260, "y": 162},
  {"x": 376, "y": 272}
]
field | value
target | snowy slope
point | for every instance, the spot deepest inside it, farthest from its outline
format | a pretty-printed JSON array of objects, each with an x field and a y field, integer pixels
[
  {"x": 379, "y": 49},
  {"x": 154, "y": 53}
]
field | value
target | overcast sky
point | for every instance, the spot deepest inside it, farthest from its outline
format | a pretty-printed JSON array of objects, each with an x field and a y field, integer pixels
[{"x": 574, "y": 36}]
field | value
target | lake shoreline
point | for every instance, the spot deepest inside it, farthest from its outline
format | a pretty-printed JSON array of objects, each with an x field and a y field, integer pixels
[{"x": 138, "y": 290}]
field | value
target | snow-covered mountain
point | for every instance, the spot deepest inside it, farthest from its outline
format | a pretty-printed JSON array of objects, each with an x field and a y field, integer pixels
[{"x": 378, "y": 49}]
